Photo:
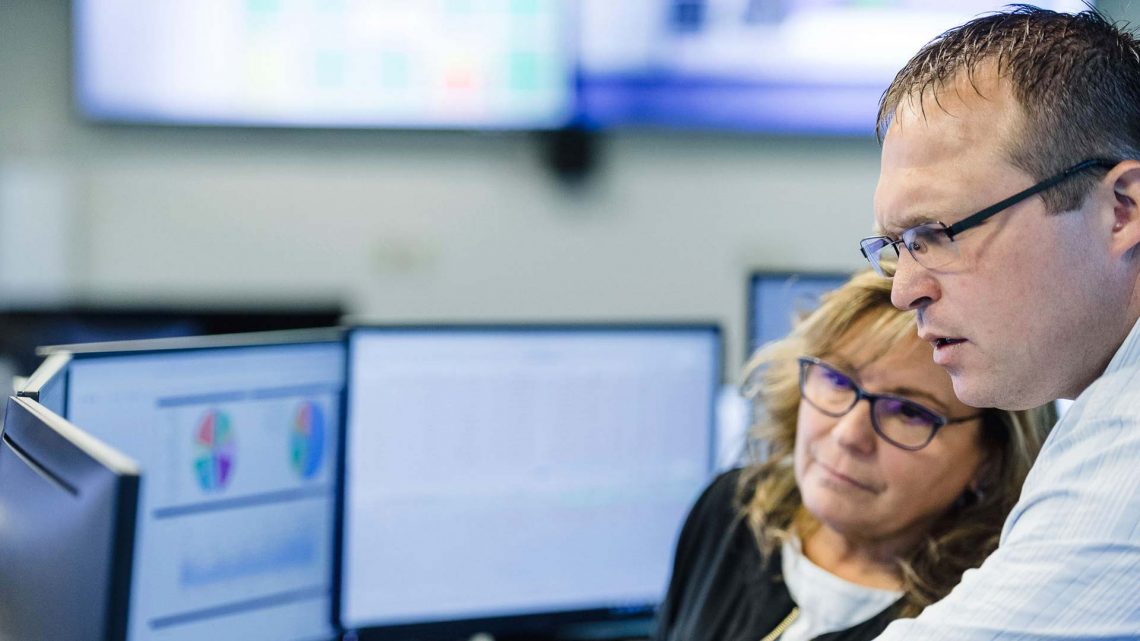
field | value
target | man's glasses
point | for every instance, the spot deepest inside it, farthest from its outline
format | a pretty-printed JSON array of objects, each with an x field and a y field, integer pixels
[
  {"x": 898, "y": 421},
  {"x": 932, "y": 244}
]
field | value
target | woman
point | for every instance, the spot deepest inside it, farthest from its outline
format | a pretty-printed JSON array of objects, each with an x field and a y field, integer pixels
[{"x": 879, "y": 491}]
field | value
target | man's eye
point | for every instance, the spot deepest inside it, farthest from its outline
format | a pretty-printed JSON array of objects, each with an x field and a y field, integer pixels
[{"x": 917, "y": 245}]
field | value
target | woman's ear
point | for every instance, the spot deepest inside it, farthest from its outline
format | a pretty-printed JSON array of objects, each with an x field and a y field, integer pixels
[
  {"x": 982, "y": 481},
  {"x": 985, "y": 476}
]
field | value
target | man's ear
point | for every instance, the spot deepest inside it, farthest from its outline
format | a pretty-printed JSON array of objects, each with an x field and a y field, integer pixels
[{"x": 1126, "y": 208}]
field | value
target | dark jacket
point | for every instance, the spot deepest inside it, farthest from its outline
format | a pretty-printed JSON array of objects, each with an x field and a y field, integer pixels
[{"x": 722, "y": 589}]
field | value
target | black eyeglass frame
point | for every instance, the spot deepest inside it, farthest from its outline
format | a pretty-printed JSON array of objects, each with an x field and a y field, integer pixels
[
  {"x": 977, "y": 218},
  {"x": 861, "y": 394}
]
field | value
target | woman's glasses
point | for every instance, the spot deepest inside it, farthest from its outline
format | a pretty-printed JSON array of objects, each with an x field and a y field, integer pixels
[{"x": 898, "y": 421}]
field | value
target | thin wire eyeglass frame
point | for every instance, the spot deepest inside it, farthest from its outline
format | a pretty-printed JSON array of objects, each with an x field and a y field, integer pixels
[{"x": 873, "y": 247}]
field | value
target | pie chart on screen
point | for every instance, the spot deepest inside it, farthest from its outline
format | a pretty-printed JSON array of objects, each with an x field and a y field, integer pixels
[
  {"x": 308, "y": 440},
  {"x": 214, "y": 451}
]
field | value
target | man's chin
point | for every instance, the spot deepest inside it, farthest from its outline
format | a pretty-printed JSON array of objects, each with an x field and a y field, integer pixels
[
  {"x": 972, "y": 392},
  {"x": 984, "y": 394}
]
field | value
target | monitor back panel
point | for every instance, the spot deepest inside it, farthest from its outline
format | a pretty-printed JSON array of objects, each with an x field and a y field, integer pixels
[{"x": 67, "y": 510}]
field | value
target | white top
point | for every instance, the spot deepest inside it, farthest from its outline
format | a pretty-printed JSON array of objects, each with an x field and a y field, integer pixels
[
  {"x": 827, "y": 603},
  {"x": 1068, "y": 564}
]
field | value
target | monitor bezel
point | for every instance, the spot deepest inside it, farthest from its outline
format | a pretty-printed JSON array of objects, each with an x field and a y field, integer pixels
[
  {"x": 53, "y": 370},
  {"x": 192, "y": 343},
  {"x": 53, "y": 365}
]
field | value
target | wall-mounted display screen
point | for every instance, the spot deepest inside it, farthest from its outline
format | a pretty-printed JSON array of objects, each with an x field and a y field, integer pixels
[
  {"x": 499, "y": 64},
  {"x": 796, "y": 66}
]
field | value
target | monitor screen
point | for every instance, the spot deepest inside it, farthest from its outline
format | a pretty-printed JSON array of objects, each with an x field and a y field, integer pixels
[
  {"x": 777, "y": 299},
  {"x": 519, "y": 476},
  {"x": 237, "y": 517},
  {"x": 497, "y": 64},
  {"x": 67, "y": 521},
  {"x": 789, "y": 66}
]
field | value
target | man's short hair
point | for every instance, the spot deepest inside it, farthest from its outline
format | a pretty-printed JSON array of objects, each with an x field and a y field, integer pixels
[{"x": 1076, "y": 77}]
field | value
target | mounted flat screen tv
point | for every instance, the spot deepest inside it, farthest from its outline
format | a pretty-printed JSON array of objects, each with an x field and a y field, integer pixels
[
  {"x": 434, "y": 64},
  {"x": 789, "y": 66}
]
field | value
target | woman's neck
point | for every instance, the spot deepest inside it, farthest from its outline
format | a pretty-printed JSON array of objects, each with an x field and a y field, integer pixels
[{"x": 864, "y": 563}]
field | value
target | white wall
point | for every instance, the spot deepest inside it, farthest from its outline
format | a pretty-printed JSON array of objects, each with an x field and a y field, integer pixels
[{"x": 411, "y": 226}]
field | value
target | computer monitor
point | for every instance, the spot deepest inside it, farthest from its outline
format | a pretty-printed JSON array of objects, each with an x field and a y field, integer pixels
[
  {"x": 67, "y": 523},
  {"x": 238, "y": 438},
  {"x": 777, "y": 299},
  {"x": 519, "y": 479},
  {"x": 48, "y": 384}
]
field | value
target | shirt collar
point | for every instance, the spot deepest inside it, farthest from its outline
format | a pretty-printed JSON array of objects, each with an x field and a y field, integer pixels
[{"x": 1129, "y": 351}]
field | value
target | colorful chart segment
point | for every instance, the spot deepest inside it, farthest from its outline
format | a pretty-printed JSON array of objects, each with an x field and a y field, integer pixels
[
  {"x": 214, "y": 451},
  {"x": 308, "y": 440}
]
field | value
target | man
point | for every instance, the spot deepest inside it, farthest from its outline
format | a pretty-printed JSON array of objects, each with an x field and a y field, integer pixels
[{"x": 1031, "y": 119}]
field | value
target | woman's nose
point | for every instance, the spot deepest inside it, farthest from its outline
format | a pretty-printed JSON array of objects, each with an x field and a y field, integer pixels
[{"x": 854, "y": 430}]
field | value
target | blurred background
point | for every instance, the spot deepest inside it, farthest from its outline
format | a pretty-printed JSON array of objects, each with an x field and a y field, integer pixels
[{"x": 551, "y": 161}]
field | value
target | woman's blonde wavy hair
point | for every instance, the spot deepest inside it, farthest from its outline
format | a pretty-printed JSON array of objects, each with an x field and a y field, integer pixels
[{"x": 769, "y": 498}]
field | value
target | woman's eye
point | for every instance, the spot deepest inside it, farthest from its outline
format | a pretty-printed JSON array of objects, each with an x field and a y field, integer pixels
[
  {"x": 912, "y": 414},
  {"x": 835, "y": 379}
]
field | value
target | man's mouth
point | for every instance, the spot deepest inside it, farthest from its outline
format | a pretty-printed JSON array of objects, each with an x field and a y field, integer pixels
[{"x": 946, "y": 342}]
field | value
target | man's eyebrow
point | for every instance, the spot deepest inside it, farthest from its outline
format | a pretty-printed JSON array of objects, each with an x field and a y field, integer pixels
[{"x": 897, "y": 227}]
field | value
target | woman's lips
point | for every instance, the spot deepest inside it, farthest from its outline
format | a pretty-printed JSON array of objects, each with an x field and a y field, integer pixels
[{"x": 848, "y": 480}]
